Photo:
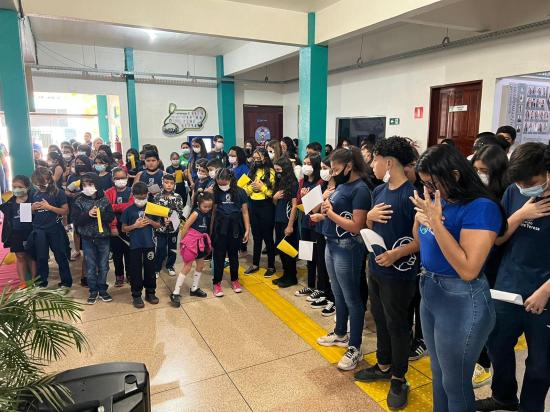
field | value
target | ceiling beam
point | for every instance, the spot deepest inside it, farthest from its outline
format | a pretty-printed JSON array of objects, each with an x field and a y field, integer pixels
[
  {"x": 445, "y": 25},
  {"x": 206, "y": 17}
]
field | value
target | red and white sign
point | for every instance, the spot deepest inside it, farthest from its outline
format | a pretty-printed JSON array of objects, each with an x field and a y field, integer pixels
[{"x": 419, "y": 112}]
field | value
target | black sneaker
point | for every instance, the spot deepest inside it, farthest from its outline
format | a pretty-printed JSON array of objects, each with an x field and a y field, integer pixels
[
  {"x": 316, "y": 294},
  {"x": 198, "y": 293},
  {"x": 138, "y": 302},
  {"x": 105, "y": 297},
  {"x": 176, "y": 300},
  {"x": 251, "y": 269},
  {"x": 276, "y": 280},
  {"x": 491, "y": 404},
  {"x": 151, "y": 298},
  {"x": 286, "y": 283},
  {"x": 303, "y": 292},
  {"x": 398, "y": 394},
  {"x": 269, "y": 273},
  {"x": 374, "y": 373},
  {"x": 418, "y": 350},
  {"x": 329, "y": 310},
  {"x": 92, "y": 298},
  {"x": 84, "y": 282},
  {"x": 319, "y": 303}
]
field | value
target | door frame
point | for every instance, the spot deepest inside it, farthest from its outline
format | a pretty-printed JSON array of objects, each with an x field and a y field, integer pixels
[{"x": 434, "y": 99}]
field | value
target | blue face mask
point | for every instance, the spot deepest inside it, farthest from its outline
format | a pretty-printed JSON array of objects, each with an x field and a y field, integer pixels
[
  {"x": 100, "y": 168},
  {"x": 533, "y": 191}
]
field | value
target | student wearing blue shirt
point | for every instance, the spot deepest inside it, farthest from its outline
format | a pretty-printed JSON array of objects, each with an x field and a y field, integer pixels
[
  {"x": 456, "y": 231},
  {"x": 202, "y": 182},
  {"x": 102, "y": 166},
  {"x": 141, "y": 256},
  {"x": 230, "y": 229},
  {"x": 218, "y": 152},
  {"x": 525, "y": 270},
  {"x": 198, "y": 152},
  {"x": 152, "y": 175},
  {"x": 178, "y": 171},
  {"x": 237, "y": 162},
  {"x": 48, "y": 205},
  {"x": 346, "y": 214},
  {"x": 392, "y": 272}
]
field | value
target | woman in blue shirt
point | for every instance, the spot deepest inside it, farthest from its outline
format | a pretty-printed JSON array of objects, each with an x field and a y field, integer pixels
[
  {"x": 456, "y": 231},
  {"x": 237, "y": 162},
  {"x": 346, "y": 214}
]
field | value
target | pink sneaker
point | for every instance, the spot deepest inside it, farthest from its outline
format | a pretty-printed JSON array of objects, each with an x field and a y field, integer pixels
[
  {"x": 236, "y": 286},
  {"x": 218, "y": 292}
]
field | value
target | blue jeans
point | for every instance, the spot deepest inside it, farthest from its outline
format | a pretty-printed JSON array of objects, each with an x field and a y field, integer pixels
[
  {"x": 512, "y": 321},
  {"x": 457, "y": 317},
  {"x": 166, "y": 246},
  {"x": 344, "y": 258},
  {"x": 96, "y": 257}
]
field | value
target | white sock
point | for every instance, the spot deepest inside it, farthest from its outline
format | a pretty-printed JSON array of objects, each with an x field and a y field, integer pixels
[
  {"x": 179, "y": 282},
  {"x": 196, "y": 279}
]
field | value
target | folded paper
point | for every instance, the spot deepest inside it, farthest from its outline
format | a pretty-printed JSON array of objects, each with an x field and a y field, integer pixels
[
  {"x": 243, "y": 181},
  {"x": 287, "y": 248},
  {"x": 153, "y": 209}
]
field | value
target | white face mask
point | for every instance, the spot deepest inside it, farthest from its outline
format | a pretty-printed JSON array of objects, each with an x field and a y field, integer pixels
[
  {"x": 197, "y": 150},
  {"x": 67, "y": 156},
  {"x": 224, "y": 188},
  {"x": 81, "y": 153},
  {"x": 175, "y": 162},
  {"x": 386, "y": 177},
  {"x": 140, "y": 202},
  {"x": 307, "y": 170},
  {"x": 325, "y": 174},
  {"x": 484, "y": 178},
  {"x": 298, "y": 172},
  {"x": 232, "y": 160},
  {"x": 120, "y": 183},
  {"x": 219, "y": 145},
  {"x": 201, "y": 175},
  {"x": 89, "y": 190},
  {"x": 212, "y": 174},
  {"x": 271, "y": 155}
]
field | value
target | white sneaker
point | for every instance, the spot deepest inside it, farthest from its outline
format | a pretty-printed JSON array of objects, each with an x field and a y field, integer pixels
[
  {"x": 315, "y": 295},
  {"x": 350, "y": 359},
  {"x": 332, "y": 339},
  {"x": 171, "y": 272}
]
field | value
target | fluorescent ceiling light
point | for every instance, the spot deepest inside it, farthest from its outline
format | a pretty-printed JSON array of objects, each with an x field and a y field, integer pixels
[{"x": 151, "y": 33}]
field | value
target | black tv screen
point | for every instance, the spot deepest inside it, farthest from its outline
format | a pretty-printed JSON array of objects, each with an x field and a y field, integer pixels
[{"x": 358, "y": 128}]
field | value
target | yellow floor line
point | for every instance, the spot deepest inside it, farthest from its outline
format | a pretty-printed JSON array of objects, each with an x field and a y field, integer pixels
[{"x": 418, "y": 376}]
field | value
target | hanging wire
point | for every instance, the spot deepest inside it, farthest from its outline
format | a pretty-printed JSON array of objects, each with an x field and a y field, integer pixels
[
  {"x": 43, "y": 47},
  {"x": 446, "y": 40},
  {"x": 359, "y": 61},
  {"x": 266, "y": 78}
]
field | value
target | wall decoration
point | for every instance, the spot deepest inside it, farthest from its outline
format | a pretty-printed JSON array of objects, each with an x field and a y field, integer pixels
[
  {"x": 262, "y": 134},
  {"x": 180, "y": 120}
]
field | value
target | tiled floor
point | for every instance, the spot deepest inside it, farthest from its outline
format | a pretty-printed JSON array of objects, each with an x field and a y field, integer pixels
[{"x": 231, "y": 354}]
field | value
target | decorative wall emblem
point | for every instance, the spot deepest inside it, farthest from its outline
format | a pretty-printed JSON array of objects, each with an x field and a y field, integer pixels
[
  {"x": 262, "y": 134},
  {"x": 180, "y": 120}
]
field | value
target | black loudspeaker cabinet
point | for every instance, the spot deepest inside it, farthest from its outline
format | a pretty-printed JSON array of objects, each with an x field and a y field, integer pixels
[{"x": 107, "y": 387}]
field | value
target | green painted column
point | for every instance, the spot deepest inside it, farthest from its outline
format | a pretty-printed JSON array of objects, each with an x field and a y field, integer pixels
[
  {"x": 131, "y": 97},
  {"x": 313, "y": 73},
  {"x": 13, "y": 91},
  {"x": 103, "y": 117},
  {"x": 226, "y": 106}
]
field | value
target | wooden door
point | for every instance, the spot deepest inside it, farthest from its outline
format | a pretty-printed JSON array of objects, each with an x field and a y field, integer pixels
[
  {"x": 262, "y": 122},
  {"x": 454, "y": 114}
]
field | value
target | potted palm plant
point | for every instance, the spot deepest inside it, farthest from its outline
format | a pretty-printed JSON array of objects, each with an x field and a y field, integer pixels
[{"x": 37, "y": 327}]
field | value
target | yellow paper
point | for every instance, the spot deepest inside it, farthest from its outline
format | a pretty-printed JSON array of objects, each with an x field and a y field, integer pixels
[
  {"x": 243, "y": 181},
  {"x": 6, "y": 196},
  {"x": 287, "y": 248},
  {"x": 179, "y": 176},
  {"x": 9, "y": 259},
  {"x": 132, "y": 159},
  {"x": 99, "y": 222},
  {"x": 156, "y": 210},
  {"x": 77, "y": 183},
  {"x": 300, "y": 207}
]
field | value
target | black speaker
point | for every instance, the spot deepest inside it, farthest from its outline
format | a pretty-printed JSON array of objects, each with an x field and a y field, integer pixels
[{"x": 107, "y": 387}]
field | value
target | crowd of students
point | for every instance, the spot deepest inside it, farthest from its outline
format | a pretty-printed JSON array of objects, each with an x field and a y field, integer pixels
[{"x": 452, "y": 228}]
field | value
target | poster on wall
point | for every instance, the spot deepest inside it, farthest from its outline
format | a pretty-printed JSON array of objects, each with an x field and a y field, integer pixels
[
  {"x": 180, "y": 120},
  {"x": 527, "y": 108}
]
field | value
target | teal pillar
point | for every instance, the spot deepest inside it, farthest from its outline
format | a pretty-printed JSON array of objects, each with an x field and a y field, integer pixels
[
  {"x": 226, "y": 106},
  {"x": 13, "y": 91},
  {"x": 313, "y": 72},
  {"x": 131, "y": 97},
  {"x": 103, "y": 117}
]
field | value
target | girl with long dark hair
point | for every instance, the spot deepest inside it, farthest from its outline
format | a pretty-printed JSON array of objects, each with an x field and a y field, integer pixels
[
  {"x": 198, "y": 152},
  {"x": 491, "y": 165},
  {"x": 456, "y": 224}
]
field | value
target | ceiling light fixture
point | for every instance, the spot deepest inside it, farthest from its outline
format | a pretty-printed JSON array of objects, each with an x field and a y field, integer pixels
[{"x": 152, "y": 34}]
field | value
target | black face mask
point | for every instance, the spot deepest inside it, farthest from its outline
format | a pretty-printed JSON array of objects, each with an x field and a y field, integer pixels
[
  {"x": 279, "y": 175},
  {"x": 341, "y": 178},
  {"x": 248, "y": 152},
  {"x": 79, "y": 169},
  {"x": 258, "y": 163}
]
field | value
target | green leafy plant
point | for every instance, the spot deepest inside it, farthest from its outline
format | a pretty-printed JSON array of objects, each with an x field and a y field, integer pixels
[{"x": 36, "y": 328}]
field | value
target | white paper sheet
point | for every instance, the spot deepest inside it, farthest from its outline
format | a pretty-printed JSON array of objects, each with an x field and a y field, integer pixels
[
  {"x": 174, "y": 218},
  {"x": 507, "y": 297},
  {"x": 25, "y": 212},
  {"x": 370, "y": 237},
  {"x": 154, "y": 189},
  {"x": 305, "y": 250},
  {"x": 313, "y": 199}
]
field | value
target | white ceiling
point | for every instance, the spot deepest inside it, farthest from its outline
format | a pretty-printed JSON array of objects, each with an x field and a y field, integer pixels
[
  {"x": 106, "y": 35},
  {"x": 295, "y": 5}
]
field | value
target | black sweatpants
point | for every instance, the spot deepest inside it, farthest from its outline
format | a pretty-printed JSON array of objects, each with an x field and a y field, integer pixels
[
  {"x": 289, "y": 263},
  {"x": 225, "y": 245},
  {"x": 141, "y": 266},
  {"x": 390, "y": 299},
  {"x": 121, "y": 259},
  {"x": 262, "y": 220}
]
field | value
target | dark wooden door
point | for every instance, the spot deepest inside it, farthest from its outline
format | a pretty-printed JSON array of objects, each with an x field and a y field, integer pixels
[
  {"x": 262, "y": 122},
  {"x": 454, "y": 114}
]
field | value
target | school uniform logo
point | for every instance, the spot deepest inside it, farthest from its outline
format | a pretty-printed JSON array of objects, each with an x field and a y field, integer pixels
[
  {"x": 119, "y": 199},
  {"x": 406, "y": 263},
  {"x": 151, "y": 181},
  {"x": 342, "y": 232},
  {"x": 150, "y": 255},
  {"x": 288, "y": 209}
]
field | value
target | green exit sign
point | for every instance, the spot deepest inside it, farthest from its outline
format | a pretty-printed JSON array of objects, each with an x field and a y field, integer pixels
[{"x": 394, "y": 121}]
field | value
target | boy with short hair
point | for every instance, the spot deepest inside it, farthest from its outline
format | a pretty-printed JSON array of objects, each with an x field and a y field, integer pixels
[
  {"x": 167, "y": 234},
  {"x": 152, "y": 174},
  {"x": 218, "y": 152},
  {"x": 140, "y": 229},
  {"x": 213, "y": 166}
]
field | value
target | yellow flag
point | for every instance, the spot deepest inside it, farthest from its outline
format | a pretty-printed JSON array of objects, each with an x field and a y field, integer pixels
[
  {"x": 6, "y": 196},
  {"x": 300, "y": 207},
  {"x": 132, "y": 159},
  {"x": 287, "y": 248},
  {"x": 243, "y": 181},
  {"x": 99, "y": 222},
  {"x": 179, "y": 176},
  {"x": 156, "y": 210}
]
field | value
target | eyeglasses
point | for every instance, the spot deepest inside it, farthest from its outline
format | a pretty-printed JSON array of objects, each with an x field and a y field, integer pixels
[{"x": 430, "y": 185}]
